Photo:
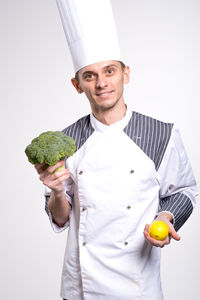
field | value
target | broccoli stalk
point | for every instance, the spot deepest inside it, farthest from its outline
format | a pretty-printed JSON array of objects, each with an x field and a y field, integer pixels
[{"x": 50, "y": 147}]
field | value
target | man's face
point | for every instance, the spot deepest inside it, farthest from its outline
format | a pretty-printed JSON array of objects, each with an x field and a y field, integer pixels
[{"x": 103, "y": 84}]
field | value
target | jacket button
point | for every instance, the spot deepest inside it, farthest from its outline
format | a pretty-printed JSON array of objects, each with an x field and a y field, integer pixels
[
  {"x": 128, "y": 207},
  {"x": 84, "y": 244},
  {"x": 125, "y": 243},
  {"x": 81, "y": 172},
  {"x": 84, "y": 208},
  {"x": 131, "y": 171}
]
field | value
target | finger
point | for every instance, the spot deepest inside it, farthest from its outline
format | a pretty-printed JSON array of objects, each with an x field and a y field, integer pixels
[
  {"x": 44, "y": 173},
  {"x": 153, "y": 241},
  {"x": 175, "y": 235},
  {"x": 61, "y": 179},
  {"x": 54, "y": 179},
  {"x": 59, "y": 174},
  {"x": 40, "y": 167},
  {"x": 56, "y": 185},
  {"x": 59, "y": 164},
  {"x": 147, "y": 235},
  {"x": 146, "y": 228},
  {"x": 157, "y": 243},
  {"x": 50, "y": 177}
]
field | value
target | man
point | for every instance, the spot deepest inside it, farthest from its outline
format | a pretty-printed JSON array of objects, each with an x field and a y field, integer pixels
[{"x": 128, "y": 169}]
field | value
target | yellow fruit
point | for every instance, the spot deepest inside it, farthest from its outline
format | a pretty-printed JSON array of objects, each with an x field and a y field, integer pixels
[{"x": 158, "y": 230}]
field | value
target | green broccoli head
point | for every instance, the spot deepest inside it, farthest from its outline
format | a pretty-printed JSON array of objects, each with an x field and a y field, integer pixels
[{"x": 50, "y": 147}]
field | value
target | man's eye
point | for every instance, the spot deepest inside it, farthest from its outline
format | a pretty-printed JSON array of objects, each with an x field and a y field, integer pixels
[
  {"x": 110, "y": 71},
  {"x": 88, "y": 76}
]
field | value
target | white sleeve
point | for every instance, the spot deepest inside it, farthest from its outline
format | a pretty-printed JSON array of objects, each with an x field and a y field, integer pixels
[
  {"x": 68, "y": 189},
  {"x": 178, "y": 189}
]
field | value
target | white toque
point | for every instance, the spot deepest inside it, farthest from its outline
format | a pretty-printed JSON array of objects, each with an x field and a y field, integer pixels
[{"x": 90, "y": 31}]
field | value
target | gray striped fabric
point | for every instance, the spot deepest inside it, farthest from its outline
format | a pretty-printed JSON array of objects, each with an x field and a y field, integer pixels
[
  {"x": 80, "y": 131},
  {"x": 152, "y": 136},
  {"x": 179, "y": 205},
  {"x": 46, "y": 204}
]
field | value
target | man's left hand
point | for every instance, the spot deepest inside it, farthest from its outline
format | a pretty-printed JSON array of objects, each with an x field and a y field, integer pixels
[{"x": 167, "y": 218}]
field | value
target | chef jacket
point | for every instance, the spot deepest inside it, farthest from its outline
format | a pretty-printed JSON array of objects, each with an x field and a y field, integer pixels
[{"x": 122, "y": 175}]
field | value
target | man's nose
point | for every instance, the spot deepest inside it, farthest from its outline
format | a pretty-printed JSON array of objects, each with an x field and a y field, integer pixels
[{"x": 101, "y": 82}]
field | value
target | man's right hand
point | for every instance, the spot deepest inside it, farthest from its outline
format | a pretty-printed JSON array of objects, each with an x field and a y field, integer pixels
[{"x": 52, "y": 180}]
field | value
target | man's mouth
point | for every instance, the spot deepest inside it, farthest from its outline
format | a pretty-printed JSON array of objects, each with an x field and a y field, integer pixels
[{"x": 104, "y": 94}]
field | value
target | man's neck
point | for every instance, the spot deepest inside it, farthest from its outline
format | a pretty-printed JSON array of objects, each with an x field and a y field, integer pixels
[{"x": 111, "y": 115}]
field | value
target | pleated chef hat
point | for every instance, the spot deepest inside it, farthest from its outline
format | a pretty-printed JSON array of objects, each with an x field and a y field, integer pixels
[{"x": 90, "y": 31}]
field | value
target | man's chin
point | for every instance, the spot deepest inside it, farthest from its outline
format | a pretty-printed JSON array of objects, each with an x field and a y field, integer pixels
[{"x": 105, "y": 106}]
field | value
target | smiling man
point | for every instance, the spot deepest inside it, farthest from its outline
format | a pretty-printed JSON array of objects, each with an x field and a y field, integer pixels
[
  {"x": 128, "y": 169},
  {"x": 103, "y": 85}
]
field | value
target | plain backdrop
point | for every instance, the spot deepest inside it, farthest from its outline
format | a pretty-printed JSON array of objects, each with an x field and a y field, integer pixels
[{"x": 160, "y": 41}]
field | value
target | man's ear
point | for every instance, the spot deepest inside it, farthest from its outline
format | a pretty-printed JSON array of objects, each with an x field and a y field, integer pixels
[
  {"x": 77, "y": 86},
  {"x": 126, "y": 75}
]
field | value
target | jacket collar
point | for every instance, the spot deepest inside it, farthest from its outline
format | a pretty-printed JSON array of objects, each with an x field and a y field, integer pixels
[{"x": 121, "y": 124}]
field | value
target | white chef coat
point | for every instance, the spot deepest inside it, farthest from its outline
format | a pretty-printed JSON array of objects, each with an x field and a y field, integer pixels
[{"x": 114, "y": 190}]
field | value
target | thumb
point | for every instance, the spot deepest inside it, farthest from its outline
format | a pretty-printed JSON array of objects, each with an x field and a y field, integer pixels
[{"x": 174, "y": 234}]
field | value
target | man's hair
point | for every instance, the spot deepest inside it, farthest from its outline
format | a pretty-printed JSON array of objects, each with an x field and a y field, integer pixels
[{"x": 77, "y": 76}]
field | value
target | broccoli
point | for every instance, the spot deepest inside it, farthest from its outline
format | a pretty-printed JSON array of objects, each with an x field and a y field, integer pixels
[{"x": 50, "y": 147}]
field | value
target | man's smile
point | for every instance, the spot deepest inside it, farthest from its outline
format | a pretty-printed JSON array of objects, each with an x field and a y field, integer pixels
[{"x": 104, "y": 93}]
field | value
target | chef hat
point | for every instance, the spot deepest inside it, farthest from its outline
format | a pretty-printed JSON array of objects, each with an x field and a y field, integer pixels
[{"x": 90, "y": 31}]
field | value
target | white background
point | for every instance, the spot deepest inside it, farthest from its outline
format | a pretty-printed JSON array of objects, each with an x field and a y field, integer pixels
[{"x": 160, "y": 41}]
